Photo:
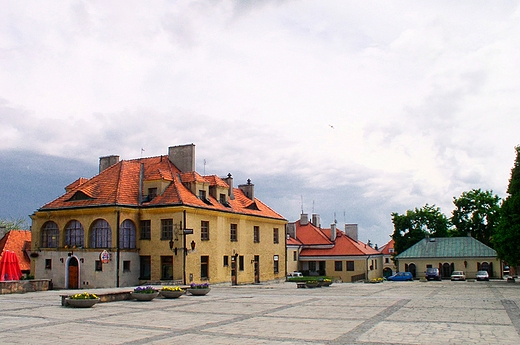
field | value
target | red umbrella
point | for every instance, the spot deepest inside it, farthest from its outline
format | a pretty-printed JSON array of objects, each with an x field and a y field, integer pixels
[{"x": 9, "y": 267}]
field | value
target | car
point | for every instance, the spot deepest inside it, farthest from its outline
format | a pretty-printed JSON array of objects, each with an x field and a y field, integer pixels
[
  {"x": 401, "y": 276},
  {"x": 294, "y": 275},
  {"x": 458, "y": 275},
  {"x": 433, "y": 274},
  {"x": 482, "y": 275}
]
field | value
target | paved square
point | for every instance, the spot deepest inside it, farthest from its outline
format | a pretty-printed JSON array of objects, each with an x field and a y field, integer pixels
[{"x": 278, "y": 313}]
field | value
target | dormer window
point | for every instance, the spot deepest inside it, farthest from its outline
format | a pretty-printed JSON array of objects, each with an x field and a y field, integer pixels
[
  {"x": 152, "y": 193},
  {"x": 202, "y": 194},
  {"x": 79, "y": 195}
]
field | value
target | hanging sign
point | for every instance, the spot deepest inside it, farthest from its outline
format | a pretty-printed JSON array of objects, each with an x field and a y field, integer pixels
[{"x": 104, "y": 257}]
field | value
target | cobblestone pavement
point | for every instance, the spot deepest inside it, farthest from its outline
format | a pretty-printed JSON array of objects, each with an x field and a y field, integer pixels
[{"x": 279, "y": 313}]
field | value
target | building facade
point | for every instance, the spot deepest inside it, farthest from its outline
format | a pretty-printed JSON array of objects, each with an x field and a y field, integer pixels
[
  {"x": 156, "y": 220},
  {"x": 332, "y": 252},
  {"x": 449, "y": 254},
  {"x": 389, "y": 267}
]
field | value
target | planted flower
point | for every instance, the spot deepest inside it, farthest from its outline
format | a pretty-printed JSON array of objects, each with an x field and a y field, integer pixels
[
  {"x": 172, "y": 288},
  {"x": 144, "y": 289},
  {"x": 199, "y": 286},
  {"x": 84, "y": 295}
]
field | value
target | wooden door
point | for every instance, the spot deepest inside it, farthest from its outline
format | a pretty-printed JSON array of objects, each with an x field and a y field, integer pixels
[
  {"x": 233, "y": 270},
  {"x": 73, "y": 273},
  {"x": 257, "y": 269}
]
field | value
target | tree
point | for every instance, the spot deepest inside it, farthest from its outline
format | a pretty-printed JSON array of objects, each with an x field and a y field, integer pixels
[
  {"x": 416, "y": 224},
  {"x": 476, "y": 213},
  {"x": 14, "y": 224},
  {"x": 507, "y": 237}
]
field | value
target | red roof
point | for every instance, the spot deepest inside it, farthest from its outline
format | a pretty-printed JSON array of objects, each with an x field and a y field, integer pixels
[
  {"x": 17, "y": 241},
  {"x": 317, "y": 242},
  {"x": 386, "y": 248},
  {"x": 119, "y": 185}
]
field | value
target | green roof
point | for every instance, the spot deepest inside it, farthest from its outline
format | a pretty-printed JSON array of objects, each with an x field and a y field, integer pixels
[{"x": 448, "y": 247}]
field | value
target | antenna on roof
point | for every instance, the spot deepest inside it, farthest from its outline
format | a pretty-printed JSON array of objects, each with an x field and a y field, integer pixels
[
  {"x": 301, "y": 197},
  {"x": 344, "y": 216},
  {"x": 142, "y": 150},
  {"x": 204, "y": 166},
  {"x": 335, "y": 221},
  {"x": 313, "y": 206}
]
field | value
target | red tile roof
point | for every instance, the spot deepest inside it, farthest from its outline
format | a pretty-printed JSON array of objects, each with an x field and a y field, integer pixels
[
  {"x": 119, "y": 185},
  {"x": 316, "y": 242},
  {"x": 386, "y": 248},
  {"x": 17, "y": 241}
]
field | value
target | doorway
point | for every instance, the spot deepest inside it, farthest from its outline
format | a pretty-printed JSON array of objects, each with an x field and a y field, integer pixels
[
  {"x": 257, "y": 269},
  {"x": 73, "y": 273},
  {"x": 234, "y": 270}
]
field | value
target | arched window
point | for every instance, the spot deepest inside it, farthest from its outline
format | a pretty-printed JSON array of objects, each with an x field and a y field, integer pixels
[
  {"x": 412, "y": 269},
  {"x": 127, "y": 235},
  {"x": 50, "y": 235},
  {"x": 74, "y": 234},
  {"x": 100, "y": 234}
]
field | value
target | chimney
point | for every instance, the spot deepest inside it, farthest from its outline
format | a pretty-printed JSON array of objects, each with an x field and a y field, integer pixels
[
  {"x": 351, "y": 230},
  {"x": 229, "y": 181},
  {"x": 304, "y": 219},
  {"x": 107, "y": 161},
  {"x": 291, "y": 230},
  {"x": 183, "y": 157},
  {"x": 3, "y": 231},
  {"x": 333, "y": 232},
  {"x": 316, "y": 220},
  {"x": 248, "y": 189}
]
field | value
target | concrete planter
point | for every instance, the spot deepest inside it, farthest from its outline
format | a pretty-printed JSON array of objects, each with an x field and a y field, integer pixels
[
  {"x": 144, "y": 296},
  {"x": 81, "y": 303},
  {"x": 199, "y": 292},
  {"x": 172, "y": 294}
]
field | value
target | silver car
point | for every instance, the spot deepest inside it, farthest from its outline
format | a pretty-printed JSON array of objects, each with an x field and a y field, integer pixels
[
  {"x": 482, "y": 275},
  {"x": 458, "y": 275}
]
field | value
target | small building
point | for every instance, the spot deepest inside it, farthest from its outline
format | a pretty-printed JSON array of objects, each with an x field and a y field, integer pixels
[
  {"x": 449, "y": 254},
  {"x": 389, "y": 267},
  {"x": 331, "y": 252},
  {"x": 156, "y": 220}
]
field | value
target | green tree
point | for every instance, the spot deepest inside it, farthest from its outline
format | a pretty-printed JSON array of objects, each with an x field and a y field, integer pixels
[
  {"x": 507, "y": 237},
  {"x": 14, "y": 224},
  {"x": 476, "y": 213},
  {"x": 416, "y": 224}
]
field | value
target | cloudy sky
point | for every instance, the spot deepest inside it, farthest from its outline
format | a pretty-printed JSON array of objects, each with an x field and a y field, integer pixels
[{"x": 355, "y": 109}]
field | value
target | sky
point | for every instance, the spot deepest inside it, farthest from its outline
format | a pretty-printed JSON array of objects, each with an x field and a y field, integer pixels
[{"x": 348, "y": 109}]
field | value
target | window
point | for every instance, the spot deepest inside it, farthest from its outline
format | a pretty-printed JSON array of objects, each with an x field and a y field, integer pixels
[
  {"x": 204, "y": 267},
  {"x": 276, "y": 238},
  {"x": 152, "y": 193},
  {"x": 233, "y": 233},
  {"x": 126, "y": 266},
  {"x": 350, "y": 265},
  {"x": 222, "y": 198},
  {"x": 100, "y": 234},
  {"x": 127, "y": 235},
  {"x": 226, "y": 261},
  {"x": 50, "y": 235},
  {"x": 256, "y": 234},
  {"x": 166, "y": 229},
  {"x": 98, "y": 266},
  {"x": 74, "y": 234},
  {"x": 167, "y": 267},
  {"x": 145, "y": 231},
  {"x": 204, "y": 230},
  {"x": 241, "y": 263},
  {"x": 295, "y": 255},
  {"x": 390, "y": 250},
  {"x": 338, "y": 266},
  {"x": 387, "y": 260},
  {"x": 202, "y": 194},
  {"x": 48, "y": 264},
  {"x": 312, "y": 266},
  {"x": 275, "y": 261},
  {"x": 145, "y": 267}
]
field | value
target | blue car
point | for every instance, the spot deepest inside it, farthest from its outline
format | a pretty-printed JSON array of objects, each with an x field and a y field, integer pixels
[{"x": 401, "y": 276}]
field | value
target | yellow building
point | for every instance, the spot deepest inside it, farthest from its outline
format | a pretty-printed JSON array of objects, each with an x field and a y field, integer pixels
[
  {"x": 331, "y": 252},
  {"x": 156, "y": 220}
]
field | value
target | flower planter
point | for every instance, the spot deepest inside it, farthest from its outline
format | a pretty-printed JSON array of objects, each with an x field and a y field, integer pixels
[
  {"x": 172, "y": 294},
  {"x": 145, "y": 296},
  {"x": 81, "y": 303},
  {"x": 312, "y": 285},
  {"x": 199, "y": 292},
  {"x": 325, "y": 283}
]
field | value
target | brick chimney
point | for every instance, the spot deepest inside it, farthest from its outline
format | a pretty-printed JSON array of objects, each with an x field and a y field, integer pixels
[
  {"x": 316, "y": 220},
  {"x": 183, "y": 157},
  {"x": 304, "y": 219},
  {"x": 351, "y": 230},
  {"x": 229, "y": 181},
  {"x": 333, "y": 232},
  {"x": 248, "y": 189}
]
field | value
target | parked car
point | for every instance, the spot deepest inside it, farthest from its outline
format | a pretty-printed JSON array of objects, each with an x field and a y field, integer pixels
[
  {"x": 401, "y": 276},
  {"x": 294, "y": 274},
  {"x": 433, "y": 274},
  {"x": 482, "y": 275},
  {"x": 458, "y": 275}
]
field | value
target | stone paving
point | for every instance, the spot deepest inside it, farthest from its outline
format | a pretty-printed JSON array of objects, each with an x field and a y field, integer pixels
[{"x": 369, "y": 314}]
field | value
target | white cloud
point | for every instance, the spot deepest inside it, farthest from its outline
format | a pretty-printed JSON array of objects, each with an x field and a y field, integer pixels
[{"x": 422, "y": 98}]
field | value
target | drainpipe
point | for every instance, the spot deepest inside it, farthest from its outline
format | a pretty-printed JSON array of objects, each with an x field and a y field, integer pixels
[
  {"x": 184, "y": 253},
  {"x": 118, "y": 256},
  {"x": 366, "y": 266}
]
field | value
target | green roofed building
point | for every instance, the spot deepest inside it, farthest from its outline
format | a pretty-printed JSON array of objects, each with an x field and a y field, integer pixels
[{"x": 449, "y": 254}]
